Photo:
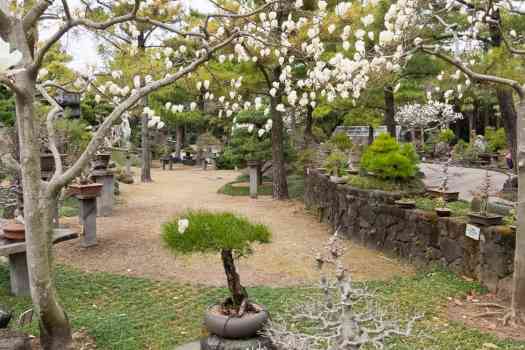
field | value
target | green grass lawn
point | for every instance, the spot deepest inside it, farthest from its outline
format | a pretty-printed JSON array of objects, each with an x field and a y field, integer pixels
[
  {"x": 125, "y": 313},
  {"x": 295, "y": 187}
]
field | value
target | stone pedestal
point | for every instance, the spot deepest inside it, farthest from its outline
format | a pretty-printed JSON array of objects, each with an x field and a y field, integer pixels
[
  {"x": 18, "y": 274},
  {"x": 253, "y": 168},
  {"x": 88, "y": 220},
  {"x": 214, "y": 342},
  {"x": 107, "y": 196}
]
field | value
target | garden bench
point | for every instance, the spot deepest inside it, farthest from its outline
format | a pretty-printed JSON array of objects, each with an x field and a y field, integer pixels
[{"x": 16, "y": 252}]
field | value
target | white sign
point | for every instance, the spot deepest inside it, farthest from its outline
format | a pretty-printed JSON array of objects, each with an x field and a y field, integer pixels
[{"x": 473, "y": 232}]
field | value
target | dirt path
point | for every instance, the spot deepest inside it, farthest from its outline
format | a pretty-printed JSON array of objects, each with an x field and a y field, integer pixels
[{"x": 130, "y": 243}]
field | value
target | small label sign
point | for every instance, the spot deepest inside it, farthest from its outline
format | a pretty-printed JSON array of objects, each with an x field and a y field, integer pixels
[{"x": 473, "y": 232}]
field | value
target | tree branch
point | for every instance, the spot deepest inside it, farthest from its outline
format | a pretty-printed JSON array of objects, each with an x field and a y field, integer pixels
[
  {"x": 5, "y": 22},
  {"x": 80, "y": 22},
  {"x": 57, "y": 183},
  {"x": 35, "y": 13},
  {"x": 431, "y": 50},
  {"x": 51, "y": 130}
]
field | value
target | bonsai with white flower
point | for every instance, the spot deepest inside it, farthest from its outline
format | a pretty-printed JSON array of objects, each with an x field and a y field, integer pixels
[{"x": 232, "y": 237}]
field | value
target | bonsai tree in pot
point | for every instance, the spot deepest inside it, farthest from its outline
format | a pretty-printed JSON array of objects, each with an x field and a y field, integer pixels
[
  {"x": 232, "y": 237},
  {"x": 483, "y": 217},
  {"x": 337, "y": 165}
]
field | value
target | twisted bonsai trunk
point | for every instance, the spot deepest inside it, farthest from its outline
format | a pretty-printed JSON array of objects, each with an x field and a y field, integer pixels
[{"x": 237, "y": 291}]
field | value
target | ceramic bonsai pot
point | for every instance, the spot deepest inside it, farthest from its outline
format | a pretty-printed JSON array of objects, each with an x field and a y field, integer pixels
[
  {"x": 230, "y": 327},
  {"x": 443, "y": 212},
  {"x": 15, "y": 232},
  {"x": 489, "y": 220},
  {"x": 406, "y": 204},
  {"x": 87, "y": 190},
  {"x": 101, "y": 161},
  {"x": 446, "y": 195}
]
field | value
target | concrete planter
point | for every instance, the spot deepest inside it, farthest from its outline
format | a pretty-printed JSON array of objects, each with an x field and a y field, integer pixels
[{"x": 234, "y": 327}]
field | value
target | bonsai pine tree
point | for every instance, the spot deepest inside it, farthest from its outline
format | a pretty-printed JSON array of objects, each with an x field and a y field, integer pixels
[{"x": 225, "y": 233}]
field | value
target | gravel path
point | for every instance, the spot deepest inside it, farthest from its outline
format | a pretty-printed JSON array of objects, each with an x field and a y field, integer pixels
[
  {"x": 464, "y": 180},
  {"x": 129, "y": 241}
]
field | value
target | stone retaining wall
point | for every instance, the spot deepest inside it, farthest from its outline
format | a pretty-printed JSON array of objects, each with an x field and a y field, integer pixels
[{"x": 371, "y": 218}]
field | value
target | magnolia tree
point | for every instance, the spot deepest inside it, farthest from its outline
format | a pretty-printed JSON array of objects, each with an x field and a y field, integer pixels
[
  {"x": 433, "y": 114},
  {"x": 21, "y": 58}
]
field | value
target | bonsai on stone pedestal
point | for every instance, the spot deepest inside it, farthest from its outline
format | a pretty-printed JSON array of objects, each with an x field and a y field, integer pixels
[{"x": 202, "y": 231}]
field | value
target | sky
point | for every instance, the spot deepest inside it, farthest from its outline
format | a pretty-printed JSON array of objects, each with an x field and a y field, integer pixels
[{"x": 82, "y": 45}]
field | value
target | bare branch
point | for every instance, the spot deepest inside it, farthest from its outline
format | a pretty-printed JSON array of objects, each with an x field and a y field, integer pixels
[
  {"x": 59, "y": 182},
  {"x": 65, "y": 5},
  {"x": 509, "y": 45},
  {"x": 431, "y": 50},
  {"x": 81, "y": 22},
  {"x": 34, "y": 14},
  {"x": 53, "y": 113}
]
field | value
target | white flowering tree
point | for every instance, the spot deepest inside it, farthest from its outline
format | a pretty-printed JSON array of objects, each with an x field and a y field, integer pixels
[
  {"x": 432, "y": 115},
  {"x": 21, "y": 58}
]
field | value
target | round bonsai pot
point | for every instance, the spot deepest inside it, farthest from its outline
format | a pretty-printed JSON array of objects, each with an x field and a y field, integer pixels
[
  {"x": 15, "y": 232},
  {"x": 443, "y": 212},
  {"x": 230, "y": 327}
]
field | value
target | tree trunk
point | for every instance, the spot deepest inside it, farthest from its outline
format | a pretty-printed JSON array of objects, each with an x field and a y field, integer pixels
[
  {"x": 510, "y": 119},
  {"x": 308, "y": 133},
  {"x": 55, "y": 330},
  {"x": 238, "y": 293},
  {"x": 280, "y": 185},
  {"x": 145, "y": 175},
  {"x": 179, "y": 134},
  {"x": 518, "y": 293},
  {"x": 390, "y": 111}
]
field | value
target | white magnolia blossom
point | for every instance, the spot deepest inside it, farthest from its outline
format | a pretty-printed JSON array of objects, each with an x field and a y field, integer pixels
[{"x": 183, "y": 225}]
